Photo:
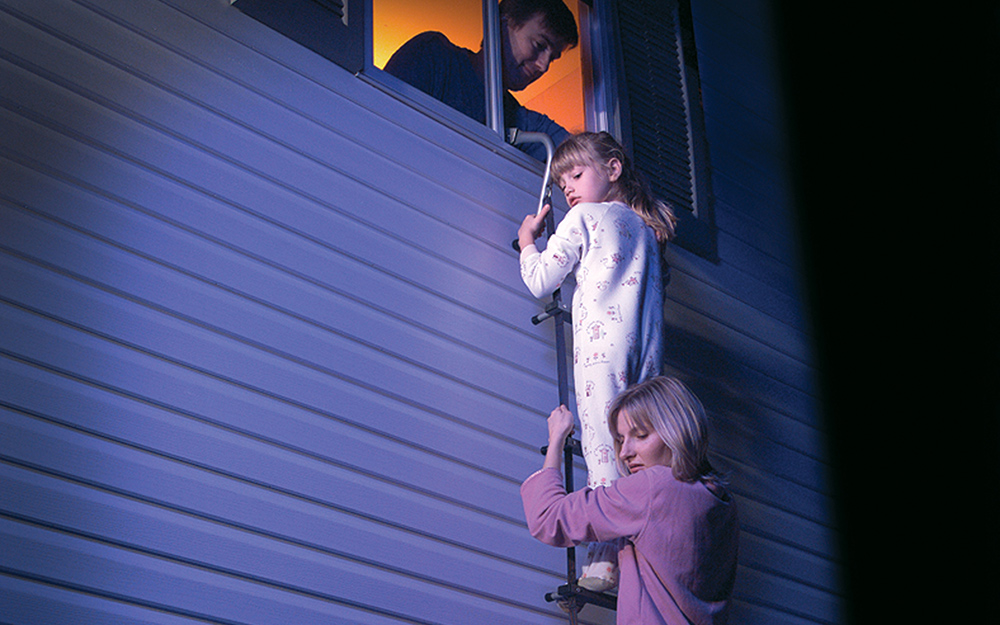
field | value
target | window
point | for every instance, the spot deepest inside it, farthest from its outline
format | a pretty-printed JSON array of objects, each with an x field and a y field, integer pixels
[
  {"x": 439, "y": 47},
  {"x": 634, "y": 74},
  {"x": 558, "y": 93}
]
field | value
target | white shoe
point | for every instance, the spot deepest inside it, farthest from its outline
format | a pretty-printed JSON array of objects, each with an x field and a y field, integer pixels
[{"x": 596, "y": 584}]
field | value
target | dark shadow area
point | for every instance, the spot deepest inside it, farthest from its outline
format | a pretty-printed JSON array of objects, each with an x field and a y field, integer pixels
[{"x": 894, "y": 118}]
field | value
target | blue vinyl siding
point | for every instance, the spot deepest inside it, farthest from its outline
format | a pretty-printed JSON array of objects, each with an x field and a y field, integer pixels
[{"x": 265, "y": 355}]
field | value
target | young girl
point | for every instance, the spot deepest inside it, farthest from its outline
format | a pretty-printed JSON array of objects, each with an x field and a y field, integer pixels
[
  {"x": 611, "y": 240},
  {"x": 678, "y": 565}
]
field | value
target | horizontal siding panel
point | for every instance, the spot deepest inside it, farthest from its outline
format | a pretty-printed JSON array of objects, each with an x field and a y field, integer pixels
[
  {"x": 164, "y": 478},
  {"x": 319, "y": 219},
  {"x": 699, "y": 291},
  {"x": 736, "y": 346},
  {"x": 260, "y": 517},
  {"x": 769, "y": 186},
  {"x": 300, "y": 268},
  {"x": 769, "y": 614},
  {"x": 759, "y": 236},
  {"x": 773, "y": 491},
  {"x": 772, "y": 557},
  {"x": 488, "y": 498},
  {"x": 194, "y": 267},
  {"x": 356, "y": 454},
  {"x": 346, "y": 413},
  {"x": 788, "y": 528},
  {"x": 735, "y": 282},
  {"x": 329, "y": 437},
  {"x": 37, "y": 603},
  {"x": 222, "y": 116},
  {"x": 139, "y": 578},
  {"x": 755, "y": 419},
  {"x": 774, "y": 273},
  {"x": 804, "y": 467},
  {"x": 798, "y": 599},
  {"x": 757, "y": 165},
  {"x": 701, "y": 346},
  {"x": 318, "y": 361},
  {"x": 314, "y": 554}
]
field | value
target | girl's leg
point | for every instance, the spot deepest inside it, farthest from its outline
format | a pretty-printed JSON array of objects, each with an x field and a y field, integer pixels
[{"x": 600, "y": 572}]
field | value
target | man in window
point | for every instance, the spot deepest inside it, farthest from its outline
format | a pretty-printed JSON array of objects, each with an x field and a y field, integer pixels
[{"x": 534, "y": 33}]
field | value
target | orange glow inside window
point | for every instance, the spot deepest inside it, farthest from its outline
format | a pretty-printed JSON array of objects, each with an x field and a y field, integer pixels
[{"x": 558, "y": 94}]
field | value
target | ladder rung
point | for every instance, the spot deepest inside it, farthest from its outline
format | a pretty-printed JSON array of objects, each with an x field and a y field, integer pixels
[
  {"x": 572, "y": 442},
  {"x": 582, "y": 595}
]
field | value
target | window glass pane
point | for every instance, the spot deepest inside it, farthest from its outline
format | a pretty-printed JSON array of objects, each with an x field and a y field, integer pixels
[
  {"x": 559, "y": 93},
  {"x": 394, "y": 22}
]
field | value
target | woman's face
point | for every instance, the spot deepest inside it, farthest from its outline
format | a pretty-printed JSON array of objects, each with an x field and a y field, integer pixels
[{"x": 640, "y": 449}]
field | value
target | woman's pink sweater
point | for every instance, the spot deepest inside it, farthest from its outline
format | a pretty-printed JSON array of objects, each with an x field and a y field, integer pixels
[{"x": 678, "y": 563}]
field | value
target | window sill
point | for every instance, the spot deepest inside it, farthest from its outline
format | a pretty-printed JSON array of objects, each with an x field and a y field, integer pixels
[{"x": 446, "y": 116}]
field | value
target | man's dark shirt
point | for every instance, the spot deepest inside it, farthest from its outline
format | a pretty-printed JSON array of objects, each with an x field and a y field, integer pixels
[{"x": 454, "y": 75}]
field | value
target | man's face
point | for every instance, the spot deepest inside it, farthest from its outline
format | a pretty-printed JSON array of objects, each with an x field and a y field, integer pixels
[{"x": 528, "y": 49}]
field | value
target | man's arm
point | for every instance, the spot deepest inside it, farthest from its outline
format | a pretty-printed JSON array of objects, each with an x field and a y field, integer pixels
[{"x": 531, "y": 121}]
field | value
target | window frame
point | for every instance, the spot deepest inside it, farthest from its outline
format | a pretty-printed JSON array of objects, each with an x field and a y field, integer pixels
[{"x": 607, "y": 101}]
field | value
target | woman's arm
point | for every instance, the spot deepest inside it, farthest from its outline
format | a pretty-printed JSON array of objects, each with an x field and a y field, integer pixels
[
  {"x": 562, "y": 520},
  {"x": 560, "y": 427}
]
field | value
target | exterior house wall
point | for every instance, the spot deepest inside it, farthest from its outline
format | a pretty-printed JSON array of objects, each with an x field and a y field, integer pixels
[{"x": 265, "y": 352}]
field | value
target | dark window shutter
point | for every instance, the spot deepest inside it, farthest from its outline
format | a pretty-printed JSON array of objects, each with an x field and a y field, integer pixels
[
  {"x": 655, "y": 89},
  {"x": 664, "y": 125},
  {"x": 331, "y": 28}
]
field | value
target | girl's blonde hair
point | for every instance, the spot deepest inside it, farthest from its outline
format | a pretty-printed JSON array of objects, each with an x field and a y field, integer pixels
[
  {"x": 666, "y": 406},
  {"x": 598, "y": 148}
]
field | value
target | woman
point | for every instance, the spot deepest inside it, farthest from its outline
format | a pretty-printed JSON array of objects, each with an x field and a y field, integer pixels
[{"x": 678, "y": 562}]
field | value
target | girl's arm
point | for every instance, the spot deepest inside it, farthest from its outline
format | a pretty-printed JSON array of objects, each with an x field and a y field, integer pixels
[{"x": 543, "y": 272}]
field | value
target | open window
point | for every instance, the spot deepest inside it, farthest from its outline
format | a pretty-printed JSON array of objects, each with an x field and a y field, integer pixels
[
  {"x": 557, "y": 94},
  {"x": 634, "y": 74}
]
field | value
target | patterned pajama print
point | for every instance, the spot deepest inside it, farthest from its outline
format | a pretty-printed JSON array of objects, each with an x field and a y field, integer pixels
[{"x": 617, "y": 314}]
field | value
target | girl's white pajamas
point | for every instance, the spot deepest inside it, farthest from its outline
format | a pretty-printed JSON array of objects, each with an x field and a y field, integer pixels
[{"x": 617, "y": 312}]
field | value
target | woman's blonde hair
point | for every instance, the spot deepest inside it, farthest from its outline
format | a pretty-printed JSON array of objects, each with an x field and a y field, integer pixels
[
  {"x": 598, "y": 148},
  {"x": 666, "y": 406}
]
